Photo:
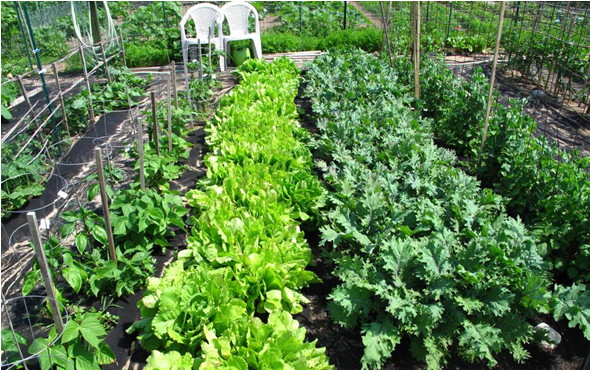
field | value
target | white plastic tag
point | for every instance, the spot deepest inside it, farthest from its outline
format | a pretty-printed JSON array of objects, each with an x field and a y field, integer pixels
[
  {"x": 44, "y": 224},
  {"x": 62, "y": 194},
  {"x": 44, "y": 70}
]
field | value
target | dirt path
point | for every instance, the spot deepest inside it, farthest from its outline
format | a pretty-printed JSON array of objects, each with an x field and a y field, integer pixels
[{"x": 377, "y": 20}]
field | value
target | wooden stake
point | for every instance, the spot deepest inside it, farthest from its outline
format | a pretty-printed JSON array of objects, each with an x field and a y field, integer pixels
[
  {"x": 122, "y": 47},
  {"x": 85, "y": 73},
  {"x": 169, "y": 106},
  {"x": 493, "y": 77},
  {"x": 156, "y": 137},
  {"x": 104, "y": 63},
  {"x": 418, "y": 6},
  {"x": 412, "y": 29},
  {"x": 64, "y": 113},
  {"x": 45, "y": 272},
  {"x": 139, "y": 126},
  {"x": 56, "y": 75},
  {"x": 105, "y": 204},
  {"x": 387, "y": 20},
  {"x": 22, "y": 88},
  {"x": 386, "y": 33},
  {"x": 174, "y": 84}
]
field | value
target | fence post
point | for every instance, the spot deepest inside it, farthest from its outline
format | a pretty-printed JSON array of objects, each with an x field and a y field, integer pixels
[
  {"x": 344, "y": 22},
  {"x": 517, "y": 12},
  {"x": 164, "y": 14},
  {"x": 418, "y": 13},
  {"x": 104, "y": 62},
  {"x": 45, "y": 272},
  {"x": 139, "y": 126},
  {"x": 173, "y": 66},
  {"x": 156, "y": 137},
  {"x": 40, "y": 70},
  {"x": 85, "y": 73},
  {"x": 22, "y": 88},
  {"x": 169, "y": 106},
  {"x": 300, "y": 16},
  {"x": 450, "y": 18},
  {"x": 493, "y": 78},
  {"x": 122, "y": 47},
  {"x": 105, "y": 204}
]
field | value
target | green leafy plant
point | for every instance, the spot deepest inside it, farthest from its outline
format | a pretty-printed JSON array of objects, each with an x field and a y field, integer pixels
[
  {"x": 176, "y": 308},
  {"x": 170, "y": 360},
  {"x": 145, "y": 217},
  {"x": 250, "y": 343},
  {"x": 10, "y": 346},
  {"x": 22, "y": 177},
  {"x": 419, "y": 249},
  {"x": 9, "y": 93},
  {"x": 82, "y": 342}
]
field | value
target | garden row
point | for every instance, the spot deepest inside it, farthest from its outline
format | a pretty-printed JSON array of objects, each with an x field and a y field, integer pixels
[
  {"x": 143, "y": 221},
  {"x": 420, "y": 249},
  {"x": 22, "y": 174},
  {"x": 246, "y": 254},
  {"x": 547, "y": 187}
]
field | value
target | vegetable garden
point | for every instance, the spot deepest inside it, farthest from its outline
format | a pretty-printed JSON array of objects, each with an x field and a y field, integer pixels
[{"x": 399, "y": 201}]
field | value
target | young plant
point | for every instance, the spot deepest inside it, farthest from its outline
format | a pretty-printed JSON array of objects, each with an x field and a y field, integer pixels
[{"x": 82, "y": 343}]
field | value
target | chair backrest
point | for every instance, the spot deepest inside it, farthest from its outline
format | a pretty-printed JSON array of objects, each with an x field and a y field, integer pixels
[
  {"x": 237, "y": 14},
  {"x": 205, "y": 16}
]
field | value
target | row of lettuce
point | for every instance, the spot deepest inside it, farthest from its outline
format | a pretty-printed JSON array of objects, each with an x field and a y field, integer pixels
[
  {"x": 421, "y": 249},
  {"x": 246, "y": 253}
]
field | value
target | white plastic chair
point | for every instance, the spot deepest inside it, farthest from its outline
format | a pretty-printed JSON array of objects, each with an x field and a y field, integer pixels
[
  {"x": 237, "y": 14},
  {"x": 207, "y": 18}
]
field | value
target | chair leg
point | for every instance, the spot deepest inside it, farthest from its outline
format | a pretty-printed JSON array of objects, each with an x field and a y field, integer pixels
[
  {"x": 257, "y": 47},
  {"x": 185, "y": 60}
]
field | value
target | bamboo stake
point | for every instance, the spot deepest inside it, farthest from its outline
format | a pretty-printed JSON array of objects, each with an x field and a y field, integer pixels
[
  {"x": 156, "y": 137},
  {"x": 45, "y": 272},
  {"x": 174, "y": 84},
  {"x": 386, "y": 33},
  {"x": 493, "y": 77},
  {"x": 104, "y": 63},
  {"x": 56, "y": 75},
  {"x": 64, "y": 113},
  {"x": 85, "y": 73},
  {"x": 105, "y": 204},
  {"x": 122, "y": 47}
]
